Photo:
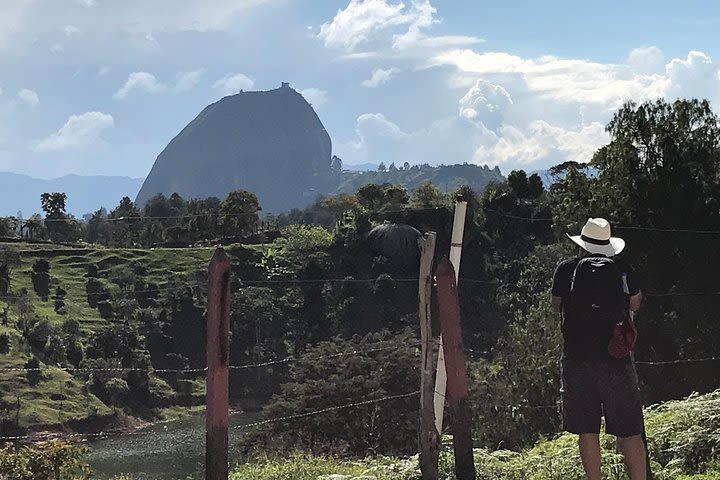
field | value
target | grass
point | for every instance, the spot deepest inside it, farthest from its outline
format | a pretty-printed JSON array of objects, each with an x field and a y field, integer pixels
[
  {"x": 59, "y": 397},
  {"x": 684, "y": 439},
  {"x": 68, "y": 268}
]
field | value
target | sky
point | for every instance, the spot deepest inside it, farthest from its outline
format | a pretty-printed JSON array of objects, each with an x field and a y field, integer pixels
[{"x": 99, "y": 87}]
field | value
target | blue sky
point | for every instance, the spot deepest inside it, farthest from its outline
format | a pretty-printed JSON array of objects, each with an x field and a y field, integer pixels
[{"x": 101, "y": 86}]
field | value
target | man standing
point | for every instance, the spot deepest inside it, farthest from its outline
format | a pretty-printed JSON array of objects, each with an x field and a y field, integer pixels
[{"x": 597, "y": 381}]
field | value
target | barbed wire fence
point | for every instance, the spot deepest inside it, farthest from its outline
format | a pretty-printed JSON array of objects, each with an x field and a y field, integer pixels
[{"x": 551, "y": 408}]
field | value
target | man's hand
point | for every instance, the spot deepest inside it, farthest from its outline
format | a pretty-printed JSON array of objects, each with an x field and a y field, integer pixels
[
  {"x": 635, "y": 302},
  {"x": 556, "y": 303}
]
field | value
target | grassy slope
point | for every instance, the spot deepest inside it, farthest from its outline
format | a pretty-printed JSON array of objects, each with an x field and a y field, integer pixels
[
  {"x": 684, "y": 438},
  {"x": 59, "y": 398}
]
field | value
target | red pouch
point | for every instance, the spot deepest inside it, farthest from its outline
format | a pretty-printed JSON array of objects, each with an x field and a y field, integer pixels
[{"x": 623, "y": 339}]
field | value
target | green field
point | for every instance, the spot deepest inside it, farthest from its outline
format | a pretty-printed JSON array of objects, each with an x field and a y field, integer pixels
[{"x": 59, "y": 397}]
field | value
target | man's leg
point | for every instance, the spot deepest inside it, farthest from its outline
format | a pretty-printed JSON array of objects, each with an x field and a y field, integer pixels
[
  {"x": 590, "y": 455},
  {"x": 633, "y": 452}
]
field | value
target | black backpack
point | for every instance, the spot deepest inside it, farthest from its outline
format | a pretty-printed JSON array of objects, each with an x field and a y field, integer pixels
[{"x": 597, "y": 299}]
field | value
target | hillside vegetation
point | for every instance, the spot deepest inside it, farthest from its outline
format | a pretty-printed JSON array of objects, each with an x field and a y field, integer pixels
[
  {"x": 683, "y": 438},
  {"x": 324, "y": 308}
]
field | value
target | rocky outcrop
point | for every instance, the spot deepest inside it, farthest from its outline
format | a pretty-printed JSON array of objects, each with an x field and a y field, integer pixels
[{"x": 271, "y": 143}]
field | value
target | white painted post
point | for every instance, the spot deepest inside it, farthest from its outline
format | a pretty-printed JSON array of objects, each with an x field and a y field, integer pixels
[{"x": 455, "y": 256}]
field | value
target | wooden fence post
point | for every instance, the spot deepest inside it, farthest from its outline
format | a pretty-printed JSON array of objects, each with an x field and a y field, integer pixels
[
  {"x": 217, "y": 394},
  {"x": 457, "y": 390},
  {"x": 429, "y": 435}
]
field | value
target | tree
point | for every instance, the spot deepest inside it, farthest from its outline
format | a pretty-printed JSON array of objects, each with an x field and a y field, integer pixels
[
  {"x": 518, "y": 183},
  {"x": 396, "y": 197},
  {"x": 371, "y": 196},
  {"x": 40, "y": 276},
  {"x": 320, "y": 378},
  {"x": 126, "y": 223},
  {"x": 661, "y": 170},
  {"x": 53, "y": 204},
  {"x": 9, "y": 258},
  {"x": 392, "y": 167},
  {"x": 535, "y": 186},
  {"x": 336, "y": 164},
  {"x": 117, "y": 389},
  {"x": 239, "y": 212},
  {"x": 98, "y": 229},
  {"x": 33, "y": 373},
  {"x": 381, "y": 167},
  {"x": 34, "y": 227},
  {"x": 340, "y": 204},
  {"x": 4, "y": 343},
  {"x": 406, "y": 166},
  {"x": 428, "y": 195}
]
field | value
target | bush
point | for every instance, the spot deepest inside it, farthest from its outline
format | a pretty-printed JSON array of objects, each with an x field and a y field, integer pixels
[
  {"x": 4, "y": 343},
  {"x": 33, "y": 373},
  {"x": 323, "y": 379},
  {"x": 54, "y": 460},
  {"x": 40, "y": 276},
  {"x": 96, "y": 292}
]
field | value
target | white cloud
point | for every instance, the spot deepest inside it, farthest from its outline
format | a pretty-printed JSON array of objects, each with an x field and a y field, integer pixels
[
  {"x": 485, "y": 102},
  {"x": 187, "y": 80},
  {"x": 232, "y": 83},
  {"x": 540, "y": 144},
  {"x": 424, "y": 17},
  {"x": 395, "y": 28},
  {"x": 30, "y": 97},
  {"x": 696, "y": 76},
  {"x": 148, "y": 83},
  {"x": 380, "y": 139},
  {"x": 380, "y": 77},
  {"x": 141, "y": 81},
  {"x": 102, "y": 71},
  {"x": 315, "y": 96},
  {"x": 26, "y": 20},
  {"x": 359, "y": 20},
  {"x": 71, "y": 30},
  {"x": 646, "y": 60},
  {"x": 79, "y": 130}
]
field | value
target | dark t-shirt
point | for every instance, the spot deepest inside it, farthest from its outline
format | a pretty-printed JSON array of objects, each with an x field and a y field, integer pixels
[{"x": 591, "y": 349}]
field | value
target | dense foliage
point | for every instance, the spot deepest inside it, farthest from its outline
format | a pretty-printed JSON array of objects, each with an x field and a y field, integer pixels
[
  {"x": 54, "y": 460},
  {"x": 682, "y": 436}
]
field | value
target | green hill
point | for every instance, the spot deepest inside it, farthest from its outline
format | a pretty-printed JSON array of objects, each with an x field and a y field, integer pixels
[{"x": 57, "y": 397}]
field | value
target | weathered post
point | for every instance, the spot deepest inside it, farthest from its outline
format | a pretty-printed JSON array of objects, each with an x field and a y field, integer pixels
[
  {"x": 429, "y": 435},
  {"x": 457, "y": 389},
  {"x": 217, "y": 395},
  {"x": 456, "y": 241}
]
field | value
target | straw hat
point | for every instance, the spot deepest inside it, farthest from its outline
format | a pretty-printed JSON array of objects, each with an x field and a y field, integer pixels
[{"x": 595, "y": 238}]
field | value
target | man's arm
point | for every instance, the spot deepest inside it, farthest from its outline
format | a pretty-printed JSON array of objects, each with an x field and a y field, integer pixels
[
  {"x": 556, "y": 303},
  {"x": 635, "y": 301}
]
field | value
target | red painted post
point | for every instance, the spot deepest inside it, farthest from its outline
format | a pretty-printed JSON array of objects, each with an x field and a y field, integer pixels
[
  {"x": 457, "y": 389},
  {"x": 217, "y": 394}
]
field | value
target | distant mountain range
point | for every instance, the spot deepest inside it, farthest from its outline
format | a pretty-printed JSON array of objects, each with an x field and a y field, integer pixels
[{"x": 86, "y": 194}]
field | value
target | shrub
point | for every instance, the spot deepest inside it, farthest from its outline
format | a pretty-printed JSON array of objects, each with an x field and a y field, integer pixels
[
  {"x": 54, "y": 460},
  {"x": 323, "y": 379},
  {"x": 40, "y": 276},
  {"x": 4, "y": 343}
]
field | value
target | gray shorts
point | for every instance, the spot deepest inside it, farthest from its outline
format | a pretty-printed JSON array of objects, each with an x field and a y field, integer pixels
[{"x": 591, "y": 390}]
